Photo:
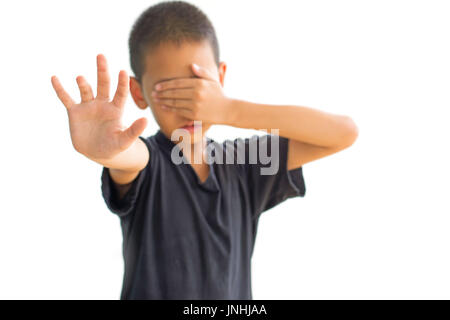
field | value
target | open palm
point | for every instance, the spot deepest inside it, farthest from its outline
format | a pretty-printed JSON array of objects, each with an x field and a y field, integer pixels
[{"x": 95, "y": 123}]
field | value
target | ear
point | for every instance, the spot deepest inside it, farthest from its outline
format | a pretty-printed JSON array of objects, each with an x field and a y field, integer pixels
[
  {"x": 222, "y": 71},
  {"x": 137, "y": 93}
]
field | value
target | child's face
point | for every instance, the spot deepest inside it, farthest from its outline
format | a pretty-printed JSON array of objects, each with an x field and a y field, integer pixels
[{"x": 169, "y": 62}]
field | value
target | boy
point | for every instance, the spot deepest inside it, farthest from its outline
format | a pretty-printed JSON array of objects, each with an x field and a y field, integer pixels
[{"x": 189, "y": 228}]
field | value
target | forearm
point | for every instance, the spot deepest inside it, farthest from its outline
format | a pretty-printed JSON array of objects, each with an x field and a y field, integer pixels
[
  {"x": 296, "y": 122},
  {"x": 131, "y": 160}
]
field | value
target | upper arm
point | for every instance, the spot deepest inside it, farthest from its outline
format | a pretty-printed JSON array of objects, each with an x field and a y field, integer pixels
[
  {"x": 301, "y": 152},
  {"x": 267, "y": 182},
  {"x": 121, "y": 189}
]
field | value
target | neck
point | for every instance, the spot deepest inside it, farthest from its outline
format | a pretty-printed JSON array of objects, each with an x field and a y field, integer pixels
[{"x": 198, "y": 149}]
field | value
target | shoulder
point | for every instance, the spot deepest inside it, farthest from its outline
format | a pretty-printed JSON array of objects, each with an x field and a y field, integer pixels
[
  {"x": 229, "y": 151},
  {"x": 251, "y": 147},
  {"x": 150, "y": 141}
]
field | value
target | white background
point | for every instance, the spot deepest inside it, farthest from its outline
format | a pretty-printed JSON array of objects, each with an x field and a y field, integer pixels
[{"x": 374, "y": 223}]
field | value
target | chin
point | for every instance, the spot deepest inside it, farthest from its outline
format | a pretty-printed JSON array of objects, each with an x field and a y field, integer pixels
[{"x": 192, "y": 136}]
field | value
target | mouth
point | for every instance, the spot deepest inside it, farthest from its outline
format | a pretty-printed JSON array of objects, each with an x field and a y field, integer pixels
[{"x": 189, "y": 126}]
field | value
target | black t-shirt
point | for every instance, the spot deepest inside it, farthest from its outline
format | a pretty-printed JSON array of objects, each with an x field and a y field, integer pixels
[{"x": 184, "y": 239}]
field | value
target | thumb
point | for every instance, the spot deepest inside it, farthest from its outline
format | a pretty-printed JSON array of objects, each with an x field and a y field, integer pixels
[{"x": 133, "y": 132}]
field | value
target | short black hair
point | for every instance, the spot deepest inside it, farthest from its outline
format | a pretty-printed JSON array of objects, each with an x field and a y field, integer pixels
[{"x": 169, "y": 21}]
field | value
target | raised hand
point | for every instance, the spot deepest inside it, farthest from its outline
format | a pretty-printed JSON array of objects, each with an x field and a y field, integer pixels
[
  {"x": 95, "y": 123},
  {"x": 200, "y": 98}
]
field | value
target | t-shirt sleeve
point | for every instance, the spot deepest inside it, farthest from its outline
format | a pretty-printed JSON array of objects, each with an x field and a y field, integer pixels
[
  {"x": 127, "y": 204},
  {"x": 269, "y": 181}
]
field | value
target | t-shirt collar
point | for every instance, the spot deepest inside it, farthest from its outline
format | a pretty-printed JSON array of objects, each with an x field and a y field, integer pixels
[
  {"x": 163, "y": 141},
  {"x": 167, "y": 145}
]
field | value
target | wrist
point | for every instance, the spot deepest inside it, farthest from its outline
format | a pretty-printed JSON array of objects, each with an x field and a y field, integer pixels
[{"x": 231, "y": 113}]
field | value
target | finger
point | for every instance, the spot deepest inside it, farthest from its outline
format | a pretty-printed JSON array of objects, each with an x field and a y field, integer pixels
[
  {"x": 175, "y": 93},
  {"x": 61, "y": 93},
  {"x": 132, "y": 133},
  {"x": 202, "y": 72},
  {"x": 85, "y": 89},
  {"x": 122, "y": 89},
  {"x": 178, "y": 83},
  {"x": 186, "y": 112},
  {"x": 102, "y": 77},
  {"x": 175, "y": 103}
]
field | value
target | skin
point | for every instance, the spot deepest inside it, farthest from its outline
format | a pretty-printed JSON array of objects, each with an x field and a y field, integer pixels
[
  {"x": 192, "y": 94},
  {"x": 174, "y": 62},
  {"x": 312, "y": 134}
]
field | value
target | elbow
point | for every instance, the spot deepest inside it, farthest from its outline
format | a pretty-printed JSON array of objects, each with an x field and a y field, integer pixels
[{"x": 350, "y": 133}]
